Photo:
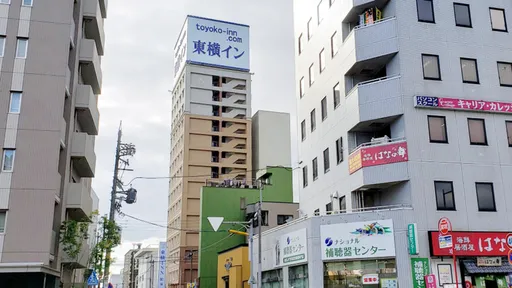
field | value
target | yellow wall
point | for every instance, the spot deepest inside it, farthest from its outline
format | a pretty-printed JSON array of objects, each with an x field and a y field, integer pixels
[{"x": 239, "y": 272}]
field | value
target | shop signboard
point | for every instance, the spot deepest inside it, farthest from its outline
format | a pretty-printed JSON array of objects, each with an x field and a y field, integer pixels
[
  {"x": 488, "y": 261},
  {"x": 420, "y": 269},
  {"x": 462, "y": 104},
  {"x": 412, "y": 237},
  {"x": 430, "y": 281},
  {"x": 370, "y": 279},
  {"x": 471, "y": 244},
  {"x": 445, "y": 241},
  {"x": 162, "y": 255},
  {"x": 358, "y": 240},
  {"x": 378, "y": 155},
  {"x": 292, "y": 248},
  {"x": 509, "y": 240}
]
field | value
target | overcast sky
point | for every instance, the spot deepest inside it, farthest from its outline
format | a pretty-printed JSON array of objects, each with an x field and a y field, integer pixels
[{"x": 137, "y": 74}]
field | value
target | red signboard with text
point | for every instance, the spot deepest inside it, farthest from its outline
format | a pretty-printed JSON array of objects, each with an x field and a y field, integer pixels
[
  {"x": 378, "y": 155},
  {"x": 471, "y": 244},
  {"x": 463, "y": 104}
]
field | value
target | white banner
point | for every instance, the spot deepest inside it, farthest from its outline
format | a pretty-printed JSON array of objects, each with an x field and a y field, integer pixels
[
  {"x": 214, "y": 43},
  {"x": 162, "y": 251},
  {"x": 292, "y": 248},
  {"x": 358, "y": 240}
]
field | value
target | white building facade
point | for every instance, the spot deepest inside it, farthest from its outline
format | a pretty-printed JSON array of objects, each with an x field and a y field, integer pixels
[
  {"x": 406, "y": 105},
  {"x": 148, "y": 267}
]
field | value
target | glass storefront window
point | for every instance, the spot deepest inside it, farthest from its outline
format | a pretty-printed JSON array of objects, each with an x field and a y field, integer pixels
[
  {"x": 350, "y": 274},
  {"x": 298, "y": 277},
  {"x": 272, "y": 279}
]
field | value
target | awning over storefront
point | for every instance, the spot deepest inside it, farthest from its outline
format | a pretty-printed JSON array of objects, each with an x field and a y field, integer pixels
[{"x": 472, "y": 268}]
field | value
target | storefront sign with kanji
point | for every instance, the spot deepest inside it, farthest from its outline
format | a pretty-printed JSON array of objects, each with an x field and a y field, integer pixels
[
  {"x": 293, "y": 248},
  {"x": 374, "y": 239},
  {"x": 420, "y": 269},
  {"x": 378, "y": 155},
  {"x": 471, "y": 244},
  {"x": 462, "y": 104}
]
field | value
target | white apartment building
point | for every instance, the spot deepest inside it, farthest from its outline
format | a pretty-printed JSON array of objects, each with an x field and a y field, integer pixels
[
  {"x": 148, "y": 267},
  {"x": 408, "y": 104}
]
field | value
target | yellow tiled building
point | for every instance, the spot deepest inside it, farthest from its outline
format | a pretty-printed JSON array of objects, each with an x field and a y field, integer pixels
[{"x": 234, "y": 268}]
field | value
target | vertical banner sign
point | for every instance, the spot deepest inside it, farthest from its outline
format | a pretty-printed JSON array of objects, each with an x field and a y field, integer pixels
[
  {"x": 420, "y": 269},
  {"x": 412, "y": 236},
  {"x": 430, "y": 281},
  {"x": 162, "y": 251}
]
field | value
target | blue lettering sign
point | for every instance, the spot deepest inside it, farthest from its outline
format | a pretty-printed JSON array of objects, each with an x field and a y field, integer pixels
[{"x": 427, "y": 101}]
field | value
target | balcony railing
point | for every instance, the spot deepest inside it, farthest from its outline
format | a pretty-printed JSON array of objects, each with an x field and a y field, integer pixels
[
  {"x": 377, "y": 153},
  {"x": 372, "y": 81},
  {"x": 368, "y": 209}
]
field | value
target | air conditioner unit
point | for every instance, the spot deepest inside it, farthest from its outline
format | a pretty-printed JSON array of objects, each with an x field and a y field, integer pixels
[{"x": 384, "y": 139}]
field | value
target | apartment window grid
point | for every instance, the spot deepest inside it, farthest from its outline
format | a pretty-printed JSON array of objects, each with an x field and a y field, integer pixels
[
  {"x": 477, "y": 132},
  {"x": 469, "y": 68},
  {"x": 323, "y": 104},
  {"x": 425, "y": 10},
  {"x": 437, "y": 129},
  {"x": 315, "y": 168},
  {"x": 326, "y": 161},
  {"x": 462, "y": 14},
  {"x": 336, "y": 95},
  {"x": 431, "y": 67},
  {"x": 305, "y": 176},
  {"x": 339, "y": 150},
  {"x": 508, "y": 125},
  {"x": 485, "y": 197},
  {"x": 505, "y": 74},
  {"x": 321, "y": 60},
  {"x": 498, "y": 19},
  {"x": 313, "y": 120},
  {"x": 445, "y": 197}
]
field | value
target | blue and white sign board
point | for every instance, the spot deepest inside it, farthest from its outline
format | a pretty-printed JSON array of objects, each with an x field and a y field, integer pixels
[
  {"x": 93, "y": 279},
  {"x": 162, "y": 251},
  {"x": 445, "y": 241},
  {"x": 210, "y": 42}
]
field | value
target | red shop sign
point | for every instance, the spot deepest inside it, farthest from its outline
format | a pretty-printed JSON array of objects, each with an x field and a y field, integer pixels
[
  {"x": 378, "y": 155},
  {"x": 430, "y": 281},
  {"x": 471, "y": 244}
]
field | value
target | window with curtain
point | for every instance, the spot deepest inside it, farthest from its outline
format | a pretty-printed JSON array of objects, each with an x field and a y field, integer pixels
[{"x": 477, "y": 134}]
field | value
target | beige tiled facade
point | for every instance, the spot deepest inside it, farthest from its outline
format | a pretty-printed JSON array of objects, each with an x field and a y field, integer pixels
[{"x": 210, "y": 141}]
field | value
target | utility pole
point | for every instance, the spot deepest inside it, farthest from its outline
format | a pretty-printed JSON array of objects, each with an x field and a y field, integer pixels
[{"x": 122, "y": 150}]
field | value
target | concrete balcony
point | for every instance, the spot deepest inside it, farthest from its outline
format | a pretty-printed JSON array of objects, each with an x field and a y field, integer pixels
[
  {"x": 94, "y": 23},
  {"x": 63, "y": 126},
  {"x": 72, "y": 33},
  {"x": 379, "y": 165},
  {"x": 87, "y": 109},
  {"x": 81, "y": 260},
  {"x": 68, "y": 82},
  {"x": 370, "y": 47},
  {"x": 351, "y": 9},
  {"x": 104, "y": 7},
  {"x": 375, "y": 99},
  {"x": 82, "y": 154},
  {"x": 90, "y": 65},
  {"x": 79, "y": 201}
]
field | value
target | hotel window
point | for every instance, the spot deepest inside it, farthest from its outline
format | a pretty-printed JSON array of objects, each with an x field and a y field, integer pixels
[
  {"x": 2, "y": 221},
  {"x": 469, "y": 69},
  {"x": 509, "y": 132},
  {"x": 477, "y": 133},
  {"x": 15, "y": 105},
  {"x": 8, "y": 160},
  {"x": 431, "y": 69},
  {"x": 498, "y": 19},
  {"x": 505, "y": 73},
  {"x": 21, "y": 48},
  {"x": 301, "y": 43},
  {"x": 437, "y": 129},
  {"x": 445, "y": 197},
  {"x": 326, "y": 160},
  {"x": 323, "y": 104},
  {"x": 485, "y": 197},
  {"x": 425, "y": 11},
  {"x": 462, "y": 15},
  {"x": 321, "y": 60},
  {"x": 315, "y": 168}
]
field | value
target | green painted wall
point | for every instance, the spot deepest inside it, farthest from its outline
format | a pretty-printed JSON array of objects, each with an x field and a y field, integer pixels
[{"x": 225, "y": 202}]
